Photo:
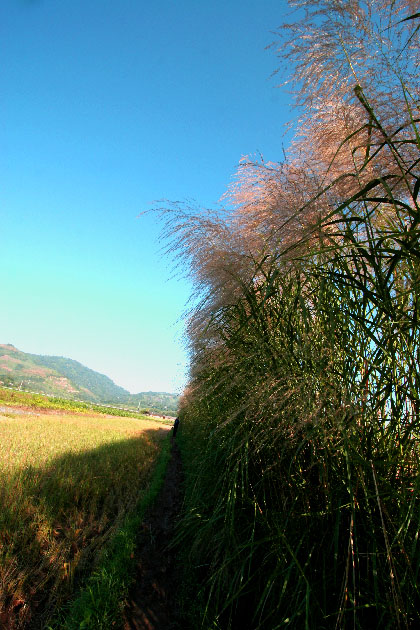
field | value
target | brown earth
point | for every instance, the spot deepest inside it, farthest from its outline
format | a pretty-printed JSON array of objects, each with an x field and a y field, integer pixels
[
  {"x": 152, "y": 601},
  {"x": 18, "y": 410}
]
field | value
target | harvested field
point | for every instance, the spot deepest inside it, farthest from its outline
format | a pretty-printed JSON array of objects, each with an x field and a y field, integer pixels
[{"x": 66, "y": 482}]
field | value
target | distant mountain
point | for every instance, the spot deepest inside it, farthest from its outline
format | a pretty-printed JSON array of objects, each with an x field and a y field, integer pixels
[
  {"x": 89, "y": 383},
  {"x": 67, "y": 378}
]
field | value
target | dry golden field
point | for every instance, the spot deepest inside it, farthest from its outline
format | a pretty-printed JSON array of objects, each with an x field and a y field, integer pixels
[{"x": 66, "y": 481}]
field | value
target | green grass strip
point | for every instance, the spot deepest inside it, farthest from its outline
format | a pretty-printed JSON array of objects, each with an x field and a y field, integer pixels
[
  {"x": 100, "y": 602},
  {"x": 39, "y": 401}
]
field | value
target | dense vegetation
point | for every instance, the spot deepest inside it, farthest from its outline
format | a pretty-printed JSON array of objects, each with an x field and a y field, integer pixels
[
  {"x": 69, "y": 484},
  {"x": 156, "y": 402},
  {"x": 91, "y": 385},
  {"x": 21, "y": 370},
  {"x": 302, "y": 411},
  {"x": 66, "y": 378},
  {"x": 16, "y": 398}
]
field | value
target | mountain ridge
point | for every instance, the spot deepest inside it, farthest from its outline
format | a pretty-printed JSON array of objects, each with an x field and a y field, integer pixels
[{"x": 68, "y": 378}]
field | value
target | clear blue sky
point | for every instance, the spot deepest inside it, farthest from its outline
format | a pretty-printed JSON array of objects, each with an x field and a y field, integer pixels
[{"x": 106, "y": 106}]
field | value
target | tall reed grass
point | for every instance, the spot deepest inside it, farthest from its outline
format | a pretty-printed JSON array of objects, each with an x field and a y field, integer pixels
[{"x": 303, "y": 401}]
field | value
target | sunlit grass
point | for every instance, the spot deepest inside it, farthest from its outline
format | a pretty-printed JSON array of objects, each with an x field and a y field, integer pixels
[
  {"x": 66, "y": 482},
  {"x": 301, "y": 418},
  {"x": 16, "y": 398}
]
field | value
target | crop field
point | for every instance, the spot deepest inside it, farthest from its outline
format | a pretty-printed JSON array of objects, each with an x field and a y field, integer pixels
[
  {"x": 66, "y": 482},
  {"x": 16, "y": 398}
]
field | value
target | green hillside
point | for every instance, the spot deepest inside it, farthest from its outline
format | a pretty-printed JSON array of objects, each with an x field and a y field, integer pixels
[
  {"x": 66, "y": 378},
  {"x": 91, "y": 384},
  {"x": 18, "y": 369},
  {"x": 162, "y": 401}
]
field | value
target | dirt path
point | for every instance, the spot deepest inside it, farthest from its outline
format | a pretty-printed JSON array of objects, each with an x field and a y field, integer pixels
[{"x": 151, "y": 604}]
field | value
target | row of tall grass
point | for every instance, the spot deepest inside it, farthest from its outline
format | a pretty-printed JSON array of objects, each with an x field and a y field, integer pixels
[
  {"x": 67, "y": 482},
  {"x": 302, "y": 509}
]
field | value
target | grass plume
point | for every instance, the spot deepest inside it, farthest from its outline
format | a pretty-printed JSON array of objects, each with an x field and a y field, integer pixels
[{"x": 303, "y": 400}]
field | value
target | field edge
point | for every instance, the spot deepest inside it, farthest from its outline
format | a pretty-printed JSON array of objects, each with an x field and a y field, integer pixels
[{"x": 100, "y": 600}]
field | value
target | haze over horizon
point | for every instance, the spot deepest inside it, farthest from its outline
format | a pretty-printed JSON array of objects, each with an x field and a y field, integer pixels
[{"x": 106, "y": 108}]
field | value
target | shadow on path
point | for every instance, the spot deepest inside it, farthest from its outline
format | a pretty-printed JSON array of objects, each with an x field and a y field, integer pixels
[
  {"x": 151, "y": 603},
  {"x": 64, "y": 512}
]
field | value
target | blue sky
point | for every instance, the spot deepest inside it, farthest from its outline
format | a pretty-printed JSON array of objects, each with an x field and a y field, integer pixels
[{"x": 107, "y": 106}]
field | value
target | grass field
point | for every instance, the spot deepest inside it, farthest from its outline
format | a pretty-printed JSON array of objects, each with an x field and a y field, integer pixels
[
  {"x": 67, "y": 481},
  {"x": 16, "y": 398}
]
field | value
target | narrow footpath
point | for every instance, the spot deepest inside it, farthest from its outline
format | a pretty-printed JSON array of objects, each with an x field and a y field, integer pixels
[{"x": 151, "y": 603}]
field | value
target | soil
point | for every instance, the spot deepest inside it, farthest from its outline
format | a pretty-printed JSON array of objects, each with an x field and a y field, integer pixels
[
  {"x": 18, "y": 411},
  {"x": 151, "y": 604}
]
